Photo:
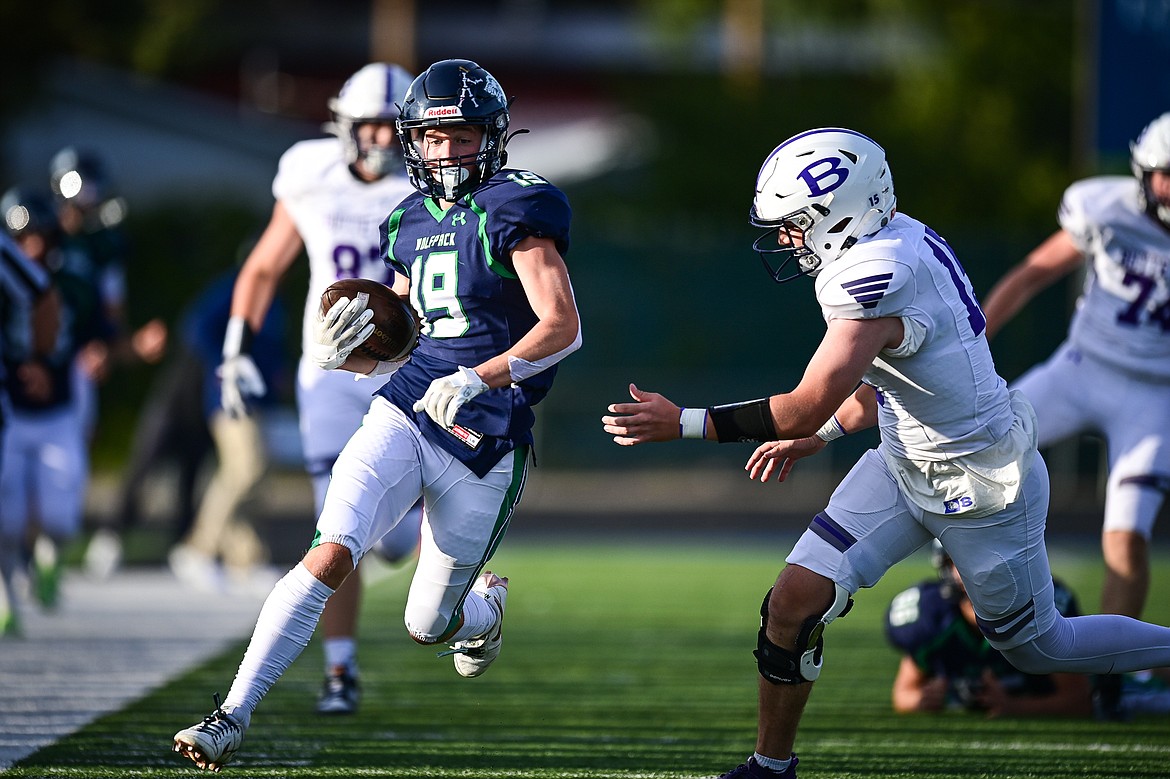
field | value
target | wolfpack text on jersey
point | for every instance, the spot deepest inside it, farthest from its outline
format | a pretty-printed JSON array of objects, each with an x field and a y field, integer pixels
[{"x": 473, "y": 305}]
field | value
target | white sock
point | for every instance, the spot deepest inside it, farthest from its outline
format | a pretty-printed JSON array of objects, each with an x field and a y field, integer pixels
[
  {"x": 341, "y": 652},
  {"x": 771, "y": 763},
  {"x": 283, "y": 629},
  {"x": 479, "y": 616}
]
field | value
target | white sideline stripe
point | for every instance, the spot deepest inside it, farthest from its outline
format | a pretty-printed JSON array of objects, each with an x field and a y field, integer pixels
[{"x": 108, "y": 644}]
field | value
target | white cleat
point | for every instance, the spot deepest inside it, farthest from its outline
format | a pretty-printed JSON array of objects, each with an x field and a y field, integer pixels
[
  {"x": 211, "y": 743},
  {"x": 472, "y": 657}
]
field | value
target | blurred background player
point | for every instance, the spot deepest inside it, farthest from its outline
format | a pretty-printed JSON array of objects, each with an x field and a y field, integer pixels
[
  {"x": 331, "y": 196},
  {"x": 223, "y": 533},
  {"x": 947, "y": 663},
  {"x": 1111, "y": 376},
  {"x": 171, "y": 431},
  {"x": 44, "y": 470},
  {"x": 29, "y": 323},
  {"x": 91, "y": 218}
]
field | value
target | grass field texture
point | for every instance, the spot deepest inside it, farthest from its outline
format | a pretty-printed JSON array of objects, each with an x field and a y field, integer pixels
[{"x": 620, "y": 661}]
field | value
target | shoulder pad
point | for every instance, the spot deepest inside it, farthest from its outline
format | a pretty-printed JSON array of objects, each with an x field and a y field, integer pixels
[
  {"x": 865, "y": 289},
  {"x": 302, "y": 166},
  {"x": 1089, "y": 203}
]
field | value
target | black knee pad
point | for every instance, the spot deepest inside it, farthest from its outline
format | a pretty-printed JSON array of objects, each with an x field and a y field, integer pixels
[
  {"x": 776, "y": 664},
  {"x": 780, "y": 666}
]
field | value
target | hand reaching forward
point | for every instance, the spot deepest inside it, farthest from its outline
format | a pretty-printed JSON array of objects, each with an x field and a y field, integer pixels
[
  {"x": 778, "y": 457},
  {"x": 240, "y": 379},
  {"x": 652, "y": 417}
]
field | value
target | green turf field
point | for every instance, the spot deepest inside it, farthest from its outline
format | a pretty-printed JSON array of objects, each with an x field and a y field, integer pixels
[{"x": 620, "y": 661}]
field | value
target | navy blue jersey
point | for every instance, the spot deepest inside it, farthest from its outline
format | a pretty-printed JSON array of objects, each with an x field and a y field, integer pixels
[
  {"x": 463, "y": 284},
  {"x": 78, "y": 316},
  {"x": 22, "y": 283},
  {"x": 927, "y": 624}
]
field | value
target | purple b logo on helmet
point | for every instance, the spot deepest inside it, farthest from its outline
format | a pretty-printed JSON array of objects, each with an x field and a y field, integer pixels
[{"x": 822, "y": 180}]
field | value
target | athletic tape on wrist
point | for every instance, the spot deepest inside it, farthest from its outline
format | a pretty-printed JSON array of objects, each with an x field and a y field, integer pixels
[
  {"x": 237, "y": 338},
  {"x": 831, "y": 430},
  {"x": 692, "y": 423}
]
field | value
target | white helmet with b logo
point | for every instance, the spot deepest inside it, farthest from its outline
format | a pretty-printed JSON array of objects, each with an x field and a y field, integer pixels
[{"x": 829, "y": 187}]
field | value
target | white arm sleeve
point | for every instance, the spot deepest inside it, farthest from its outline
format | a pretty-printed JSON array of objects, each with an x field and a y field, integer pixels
[{"x": 523, "y": 369}]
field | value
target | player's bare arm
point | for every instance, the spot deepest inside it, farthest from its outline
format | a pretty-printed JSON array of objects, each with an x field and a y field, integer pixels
[
  {"x": 274, "y": 253},
  {"x": 776, "y": 458},
  {"x": 915, "y": 690},
  {"x": 545, "y": 278},
  {"x": 252, "y": 296},
  {"x": 1050, "y": 261},
  {"x": 846, "y": 352}
]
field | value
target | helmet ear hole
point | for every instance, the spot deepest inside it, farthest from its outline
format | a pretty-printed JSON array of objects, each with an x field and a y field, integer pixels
[{"x": 840, "y": 226}]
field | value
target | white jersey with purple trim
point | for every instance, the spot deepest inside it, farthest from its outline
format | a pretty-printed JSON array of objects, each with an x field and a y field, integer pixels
[
  {"x": 1123, "y": 314},
  {"x": 337, "y": 216},
  {"x": 939, "y": 396}
]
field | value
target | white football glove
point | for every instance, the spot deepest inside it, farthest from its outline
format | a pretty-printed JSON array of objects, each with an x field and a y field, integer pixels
[
  {"x": 447, "y": 395},
  {"x": 240, "y": 379},
  {"x": 344, "y": 327}
]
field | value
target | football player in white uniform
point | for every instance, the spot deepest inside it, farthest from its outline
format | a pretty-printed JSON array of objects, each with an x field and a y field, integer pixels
[
  {"x": 330, "y": 200},
  {"x": 1111, "y": 376},
  {"x": 904, "y": 349}
]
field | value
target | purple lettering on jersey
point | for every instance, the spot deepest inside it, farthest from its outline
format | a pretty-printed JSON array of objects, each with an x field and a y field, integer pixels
[
  {"x": 350, "y": 264},
  {"x": 1141, "y": 305},
  {"x": 942, "y": 252}
]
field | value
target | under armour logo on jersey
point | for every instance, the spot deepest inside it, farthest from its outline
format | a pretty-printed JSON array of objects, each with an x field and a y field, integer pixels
[
  {"x": 869, "y": 291},
  {"x": 458, "y": 218},
  {"x": 816, "y": 174}
]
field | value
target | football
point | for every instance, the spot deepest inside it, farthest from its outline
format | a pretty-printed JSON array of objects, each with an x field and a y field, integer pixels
[{"x": 395, "y": 324}]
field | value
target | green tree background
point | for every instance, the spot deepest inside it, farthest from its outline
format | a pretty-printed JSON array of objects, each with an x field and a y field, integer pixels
[{"x": 974, "y": 101}]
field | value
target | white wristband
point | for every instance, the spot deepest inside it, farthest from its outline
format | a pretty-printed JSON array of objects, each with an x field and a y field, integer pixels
[
  {"x": 233, "y": 338},
  {"x": 831, "y": 430},
  {"x": 692, "y": 423}
]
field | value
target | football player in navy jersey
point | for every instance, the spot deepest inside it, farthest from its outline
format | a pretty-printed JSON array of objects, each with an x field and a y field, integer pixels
[
  {"x": 30, "y": 321},
  {"x": 947, "y": 663},
  {"x": 957, "y": 459},
  {"x": 479, "y": 249},
  {"x": 45, "y": 467}
]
